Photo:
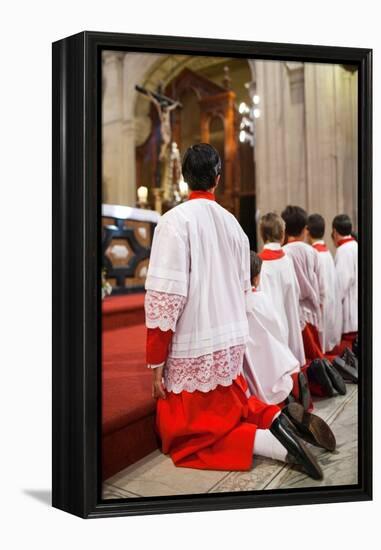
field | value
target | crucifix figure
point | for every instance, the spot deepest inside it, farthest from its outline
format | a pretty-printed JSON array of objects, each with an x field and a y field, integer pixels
[{"x": 164, "y": 106}]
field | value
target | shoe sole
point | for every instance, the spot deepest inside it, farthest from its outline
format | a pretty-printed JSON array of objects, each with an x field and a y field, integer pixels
[{"x": 312, "y": 425}]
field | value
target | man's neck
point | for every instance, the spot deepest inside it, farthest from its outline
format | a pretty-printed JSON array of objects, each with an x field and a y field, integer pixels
[
  {"x": 340, "y": 239},
  {"x": 201, "y": 194},
  {"x": 291, "y": 239},
  {"x": 313, "y": 241}
]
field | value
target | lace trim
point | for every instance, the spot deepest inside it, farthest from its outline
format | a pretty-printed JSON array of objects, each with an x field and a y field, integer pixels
[
  {"x": 203, "y": 373},
  {"x": 163, "y": 309}
]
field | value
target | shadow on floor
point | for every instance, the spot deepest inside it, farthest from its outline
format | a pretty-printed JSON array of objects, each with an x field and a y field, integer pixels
[{"x": 42, "y": 495}]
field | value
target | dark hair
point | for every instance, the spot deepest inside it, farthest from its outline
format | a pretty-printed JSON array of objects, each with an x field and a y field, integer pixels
[
  {"x": 295, "y": 218},
  {"x": 255, "y": 265},
  {"x": 271, "y": 227},
  {"x": 343, "y": 225},
  {"x": 201, "y": 165},
  {"x": 316, "y": 226}
]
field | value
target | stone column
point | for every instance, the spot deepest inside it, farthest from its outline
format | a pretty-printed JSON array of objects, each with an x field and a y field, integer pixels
[
  {"x": 128, "y": 164},
  {"x": 280, "y": 136},
  {"x": 331, "y": 129},
  {"x": 112, "y": 127},
  {"x": 306, "y": 146},
  {"x": 121, "y": 71},
  {"x": 322, "y": 154},
  {"x": 347, "y": 136}
]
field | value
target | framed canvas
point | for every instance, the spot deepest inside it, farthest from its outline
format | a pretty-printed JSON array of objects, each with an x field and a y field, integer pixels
[{"x": 292, "y": 125}]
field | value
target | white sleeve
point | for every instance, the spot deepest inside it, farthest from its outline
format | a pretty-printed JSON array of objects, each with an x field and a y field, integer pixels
[
  {"x": 320, "y": 278},
  {"x": 169, "y": 263},
  {"x": 344, "y": 276},
  {"x": 246, "y": 264},
  {"x": 295, "y": 282},
  {"x": 163, "y": 310}
]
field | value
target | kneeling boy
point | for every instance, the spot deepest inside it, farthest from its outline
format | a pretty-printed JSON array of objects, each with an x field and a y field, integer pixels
[
  {"x": 268, "y": 363},
  {"x": 331, "y": 326}
]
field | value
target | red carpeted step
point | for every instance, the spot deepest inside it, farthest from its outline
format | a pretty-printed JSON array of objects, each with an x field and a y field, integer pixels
[
  {"x": 128, "y": 410},
  {"x": 126, "y": 380},
  {"x": 123, "y": 311}
]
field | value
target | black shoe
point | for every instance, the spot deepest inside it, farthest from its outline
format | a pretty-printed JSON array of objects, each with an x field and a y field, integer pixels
[
  {"x": 347, "y": 372},
  {"x": 355, "y": 347},
  {"x": 296, "y": 448},
  {"x": 304, "y": 391},
  {"x": 310, "y": 427},
  {"x": 350, "y": 358},
  {"x": 317, "y": 373},
  {"x": 336, "y": 378},
  {"x": 290, "y": 399}
]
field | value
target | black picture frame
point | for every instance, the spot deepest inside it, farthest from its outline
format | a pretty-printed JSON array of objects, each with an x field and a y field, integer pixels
[{"x": 76, "y": 268}]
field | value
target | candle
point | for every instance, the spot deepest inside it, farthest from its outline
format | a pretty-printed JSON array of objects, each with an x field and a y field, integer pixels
[
  {"x": 183, "y": 188},
  {"x": 142, "y": 192}
]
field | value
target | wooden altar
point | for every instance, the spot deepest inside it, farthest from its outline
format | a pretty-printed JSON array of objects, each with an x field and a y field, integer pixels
[{"x": 209, "y": 114}]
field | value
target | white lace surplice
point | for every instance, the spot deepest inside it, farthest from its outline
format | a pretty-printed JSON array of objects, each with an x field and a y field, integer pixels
[
  {"x": 163, "y": 309},
  {"x": 347, "y": 275},
  {"x": 279, "y": 281},
  {"x": 202, "y": 373},
  {"x": 332, "y": 321},
  {"x": 268, "y": 363},
  {"x": 310, "y": 280},
  {"x": 198, "y": 273}
]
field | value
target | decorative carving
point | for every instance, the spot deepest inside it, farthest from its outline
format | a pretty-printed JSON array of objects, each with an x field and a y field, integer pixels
[{"x": 126, "y": 253}]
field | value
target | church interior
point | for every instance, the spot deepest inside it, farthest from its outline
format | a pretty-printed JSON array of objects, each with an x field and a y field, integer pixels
[{"x": 287, "y": 134}]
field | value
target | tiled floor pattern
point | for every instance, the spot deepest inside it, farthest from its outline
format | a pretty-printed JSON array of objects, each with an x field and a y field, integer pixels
[{"x": 155, "y": 475}]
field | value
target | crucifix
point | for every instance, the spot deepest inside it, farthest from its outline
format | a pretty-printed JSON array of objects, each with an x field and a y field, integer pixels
[{"x": 164, "y": 106}]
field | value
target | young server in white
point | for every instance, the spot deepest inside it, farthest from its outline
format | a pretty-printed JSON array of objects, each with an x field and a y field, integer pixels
[
  {"x": 268, "y": 363},
  {"x": 346, "y": 269},
  {"x": 279, "y": 281},
  {"x": 332, "y": 318}
]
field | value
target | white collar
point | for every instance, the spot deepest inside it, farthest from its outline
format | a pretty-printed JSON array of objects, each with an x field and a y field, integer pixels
[{"x": 319, "y": 242}]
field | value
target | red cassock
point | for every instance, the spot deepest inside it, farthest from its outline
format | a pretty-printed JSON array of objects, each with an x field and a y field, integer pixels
[
  {"x": 311, "y": 341},
  {"x": 214, "y": 430}
]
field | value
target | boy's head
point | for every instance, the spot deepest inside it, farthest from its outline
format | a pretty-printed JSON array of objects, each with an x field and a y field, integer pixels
[
  {"x": 295, "y": 219},
  {"x": 315, "y": 228},
  {"x": 255, "y": 268},
  {"x": 201, "y": 167},
  {"x": 341, "y": 227},
  {"x": 271, "y": 228}
]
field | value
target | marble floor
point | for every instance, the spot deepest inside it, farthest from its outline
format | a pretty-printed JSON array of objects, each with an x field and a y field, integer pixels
[{"x": 155, "y": 475}]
